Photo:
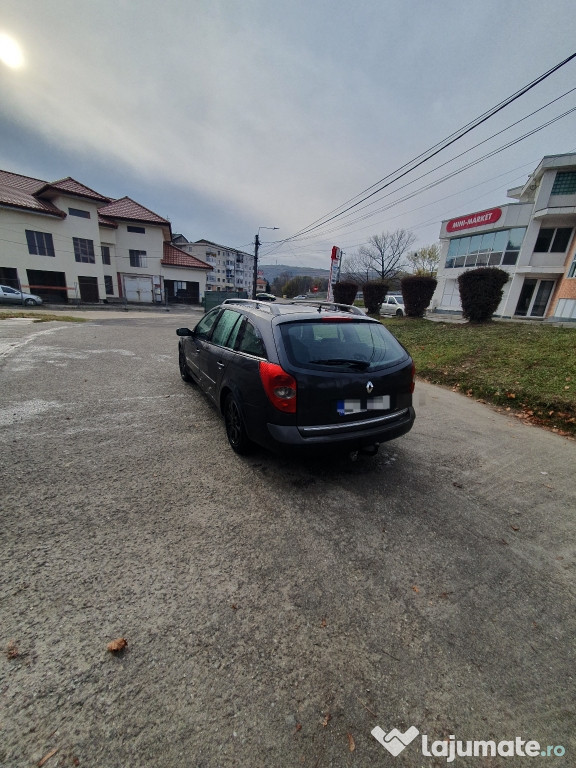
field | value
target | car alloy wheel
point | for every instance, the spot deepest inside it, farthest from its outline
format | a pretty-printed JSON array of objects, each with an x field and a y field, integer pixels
[
  {"x": 30, "y": 302},
  {"x": 235, "y": 430}
]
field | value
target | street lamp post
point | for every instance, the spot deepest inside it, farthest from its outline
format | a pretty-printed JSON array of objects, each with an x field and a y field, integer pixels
[{"x": 256, "y": 246}]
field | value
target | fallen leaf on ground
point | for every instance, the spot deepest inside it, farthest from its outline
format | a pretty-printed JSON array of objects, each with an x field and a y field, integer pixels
[
  {"x": 12, "y": 651},
  {"x": 351, "y": 744},
  {"x": 514, "y": 527},
  {"x": 415, "y": 589},
  {"x": 326, "y": 719},
  {"x": 323, "y": 622},
  {"x": 117, "y": 645}
]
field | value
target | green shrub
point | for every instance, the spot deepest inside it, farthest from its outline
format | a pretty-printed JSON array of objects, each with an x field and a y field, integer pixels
[
  {"x": 345, "y": 292},
  {"x": 417, "y": 292},
  {"x": 481, "y": 292},
  {"x": 374, "y": 293}
]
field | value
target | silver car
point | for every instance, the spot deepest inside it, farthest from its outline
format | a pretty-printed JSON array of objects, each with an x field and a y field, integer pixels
[
  {"x": 10, "y": 295},
  {"x": 393, "y": 305}
]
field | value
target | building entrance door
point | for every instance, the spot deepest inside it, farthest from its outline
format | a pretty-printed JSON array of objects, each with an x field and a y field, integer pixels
[{"x": 534, "y": 297}]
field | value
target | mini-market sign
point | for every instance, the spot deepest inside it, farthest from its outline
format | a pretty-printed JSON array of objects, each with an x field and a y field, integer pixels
[{"x": 480, "y": 219}]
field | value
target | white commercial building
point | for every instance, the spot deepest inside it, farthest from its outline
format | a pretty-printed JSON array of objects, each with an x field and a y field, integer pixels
[
  {"x": 532, "y": 239},
  {"x": 66, "y": 242}
]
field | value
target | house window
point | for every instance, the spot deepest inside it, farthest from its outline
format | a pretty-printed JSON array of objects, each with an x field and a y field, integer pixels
[
  {"x": 138, "y": 230},
  {"x": 572, "y": 270},
  {"x": 105, "y": 254},
  {"x": 138, "y": 258},
  {"x": 84, "y": 250},
  {"x": 564, "y": 183},
  {"x": 40, "y": 243},
  {"x": 108, "y": 285},
  {"x": 552, "y": 240},
  {"x": 78, "y": 212}
]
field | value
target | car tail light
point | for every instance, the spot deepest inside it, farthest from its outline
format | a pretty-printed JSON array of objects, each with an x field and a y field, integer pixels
[
  {"x": 413, "y": 375},
  {"x": 279, "y": 386}
]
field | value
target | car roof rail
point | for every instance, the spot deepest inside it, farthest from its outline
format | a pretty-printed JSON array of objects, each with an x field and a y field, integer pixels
[
  {"x": 267, "y": 305},
  {"x": 331, "y": 305}
]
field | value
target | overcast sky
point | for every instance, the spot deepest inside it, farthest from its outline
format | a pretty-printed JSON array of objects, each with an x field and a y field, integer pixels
[{"x": 229, "y": 115}]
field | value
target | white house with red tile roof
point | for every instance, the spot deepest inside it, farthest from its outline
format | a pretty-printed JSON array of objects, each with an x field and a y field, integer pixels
[{"x": 67, "y": 243}]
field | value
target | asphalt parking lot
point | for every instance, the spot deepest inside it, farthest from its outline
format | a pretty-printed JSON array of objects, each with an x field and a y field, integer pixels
[{"x": 275, "y": 611}]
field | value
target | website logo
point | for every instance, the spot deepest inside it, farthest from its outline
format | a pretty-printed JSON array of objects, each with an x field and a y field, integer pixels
[
  {"x": 451, "y": 748},
  {"x": 394, "y": 741}
]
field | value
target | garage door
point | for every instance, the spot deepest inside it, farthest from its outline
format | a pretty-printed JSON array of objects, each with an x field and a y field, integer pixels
[{"x": 138, "y": 288}]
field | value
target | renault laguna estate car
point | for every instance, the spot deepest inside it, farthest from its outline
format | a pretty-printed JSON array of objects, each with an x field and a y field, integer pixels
[{"x": 301, "y": 375}]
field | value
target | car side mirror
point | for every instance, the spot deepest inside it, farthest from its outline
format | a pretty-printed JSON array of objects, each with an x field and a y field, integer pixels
[{"x": 184, "y": 332}]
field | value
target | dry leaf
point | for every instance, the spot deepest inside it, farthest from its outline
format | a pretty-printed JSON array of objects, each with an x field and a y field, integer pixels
[
  {"x": 326, "y": 719},
  {"x": 514, "y": 527},
  {"x": 117, "y": 645},
  {"x": 415, "y": 589},
  {"x": 351, "y": 744},
  {"x": 298, "y": 727},
  {"x": 12, "y": 651},
  {"x": 323, "y": 622}
]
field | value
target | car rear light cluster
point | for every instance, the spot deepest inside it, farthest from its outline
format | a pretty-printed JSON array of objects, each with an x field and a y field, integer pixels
[{"x": 280, "y": 387}]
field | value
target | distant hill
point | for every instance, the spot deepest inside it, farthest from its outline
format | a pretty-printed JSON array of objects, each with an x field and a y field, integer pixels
[{"x": 271, "y": 271}]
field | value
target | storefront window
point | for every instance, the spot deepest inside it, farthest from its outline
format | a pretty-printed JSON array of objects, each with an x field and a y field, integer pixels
[{"x": 490, "y": 249}]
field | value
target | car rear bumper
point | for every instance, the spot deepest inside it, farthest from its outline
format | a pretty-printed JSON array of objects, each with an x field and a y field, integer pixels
[{"x": 352, "y": 434}]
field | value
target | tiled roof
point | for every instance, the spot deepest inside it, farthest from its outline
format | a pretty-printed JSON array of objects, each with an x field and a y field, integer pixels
[
  {"x": 104, "y": 222},
  {"x": 17, "y": 198},
  {"x": 126, "y": 208},
  {"x": 73, "y": 187},
  {"x": 24, "y": 183},
  {"x": 175, "y": 257}
]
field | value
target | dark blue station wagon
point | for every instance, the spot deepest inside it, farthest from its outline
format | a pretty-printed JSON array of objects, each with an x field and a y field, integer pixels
[{"x": 300, "y": 375}]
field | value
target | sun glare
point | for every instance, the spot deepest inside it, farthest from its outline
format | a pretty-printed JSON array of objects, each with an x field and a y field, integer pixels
[{"x": 10, "y": 52}]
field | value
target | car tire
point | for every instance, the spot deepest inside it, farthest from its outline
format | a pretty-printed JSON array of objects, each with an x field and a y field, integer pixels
[
  {"x": 29, "y": 302},
  {"x": 235, "y": 429},
  {"x": 399, "y": 313},
  {"x": 184, "y": 372}
]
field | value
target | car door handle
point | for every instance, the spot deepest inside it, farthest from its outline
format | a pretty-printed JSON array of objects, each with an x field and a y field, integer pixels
[{"x": 219, "y": 364}]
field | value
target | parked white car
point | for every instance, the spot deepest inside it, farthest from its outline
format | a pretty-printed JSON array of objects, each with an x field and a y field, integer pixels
[
  {"x": 393, "y": 305},
  {"x": 10, "y": 295}
]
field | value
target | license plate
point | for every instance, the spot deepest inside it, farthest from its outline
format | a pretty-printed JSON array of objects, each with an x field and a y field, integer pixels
[{"x": 380, "y": 403}]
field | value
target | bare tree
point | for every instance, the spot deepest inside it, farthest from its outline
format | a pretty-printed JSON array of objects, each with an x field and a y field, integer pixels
[
  {"x": 385, "y": 255},
  {"x": 424, "y": 262},
  {"x": 354, "y": 270}
]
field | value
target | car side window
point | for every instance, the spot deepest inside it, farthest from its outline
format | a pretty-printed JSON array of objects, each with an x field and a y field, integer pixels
[
  {"x": 204, "y": 327},
  {"x": 223, "y": 333},
  {"x": 251, "y": 341}
]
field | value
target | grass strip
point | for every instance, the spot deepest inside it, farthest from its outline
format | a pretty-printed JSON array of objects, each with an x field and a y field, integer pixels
[
  {"x": 529, "y": 369},
  {"x": 41, "y": 317}
]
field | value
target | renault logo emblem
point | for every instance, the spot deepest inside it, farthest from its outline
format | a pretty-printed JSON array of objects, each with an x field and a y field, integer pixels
[{"x": 369, "y": 387}]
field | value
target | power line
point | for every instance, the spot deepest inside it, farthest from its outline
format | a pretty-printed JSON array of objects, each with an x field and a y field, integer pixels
[{"x": 428, "y": 154}]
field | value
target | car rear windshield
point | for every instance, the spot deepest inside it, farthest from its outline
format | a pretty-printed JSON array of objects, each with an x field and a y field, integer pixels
[{"x": 338, "y": 345}]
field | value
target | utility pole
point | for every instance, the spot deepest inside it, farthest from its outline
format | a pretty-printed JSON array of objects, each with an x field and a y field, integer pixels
[{"x": 256, "y": 246}]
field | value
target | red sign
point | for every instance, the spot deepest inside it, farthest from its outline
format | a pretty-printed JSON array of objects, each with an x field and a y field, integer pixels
[
  {"x": 480, "y": 219},
  {"x": 335, "y": 253}
]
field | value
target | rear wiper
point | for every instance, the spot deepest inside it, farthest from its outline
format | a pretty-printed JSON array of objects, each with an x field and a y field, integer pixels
[{"x": 361, "y": 364}]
